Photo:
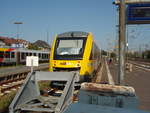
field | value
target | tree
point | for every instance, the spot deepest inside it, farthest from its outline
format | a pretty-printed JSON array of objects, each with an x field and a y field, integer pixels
[
  {"x": 34, "y": 47},
  {"x": 104, "y": 52}
]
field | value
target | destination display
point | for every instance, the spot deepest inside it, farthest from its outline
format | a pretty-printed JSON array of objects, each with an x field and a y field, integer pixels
[{"x": 138, "y": 14}]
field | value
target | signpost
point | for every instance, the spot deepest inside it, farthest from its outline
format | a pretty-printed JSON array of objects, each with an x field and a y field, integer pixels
[
  {"x": 132, "y": 1},
  {"x": 32, "y": 61},
  {"x": 138, "y": 14}
]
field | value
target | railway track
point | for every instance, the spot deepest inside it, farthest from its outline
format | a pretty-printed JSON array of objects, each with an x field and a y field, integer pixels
[
  {"x": 9, "y": 87},
  {"x": 10, "y": 82},
  {"x": 54, "y": 100},
  {"x": 12, "y": 79},
  {"x": 141, "y": 65}
]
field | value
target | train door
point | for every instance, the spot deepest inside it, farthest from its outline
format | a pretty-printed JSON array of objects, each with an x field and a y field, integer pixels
[{"x": 17, "y": 57}]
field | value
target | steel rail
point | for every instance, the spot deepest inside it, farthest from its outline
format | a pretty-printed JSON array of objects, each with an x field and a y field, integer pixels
[{"x": 10, "y": 80}]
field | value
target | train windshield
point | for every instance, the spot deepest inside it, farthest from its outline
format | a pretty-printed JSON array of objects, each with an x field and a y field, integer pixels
[{"x": 69, "y": 47}]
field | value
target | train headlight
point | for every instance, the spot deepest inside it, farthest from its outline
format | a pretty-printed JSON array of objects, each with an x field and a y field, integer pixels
[
  {"x": 78, "y": 65},
  {"x": 54, "y": 63}
]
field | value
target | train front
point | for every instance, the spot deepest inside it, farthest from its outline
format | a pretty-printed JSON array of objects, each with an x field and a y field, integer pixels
[{"x": 68, "y": 51}]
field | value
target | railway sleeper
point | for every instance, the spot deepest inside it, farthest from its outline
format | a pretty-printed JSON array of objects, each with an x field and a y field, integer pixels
[{"x": 11, "y": 86}]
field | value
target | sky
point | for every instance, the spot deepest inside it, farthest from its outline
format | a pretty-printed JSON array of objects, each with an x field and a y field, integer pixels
[{"x": 46, "y": 18}]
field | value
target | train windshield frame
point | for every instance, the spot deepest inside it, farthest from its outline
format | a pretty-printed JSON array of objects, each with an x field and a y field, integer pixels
[{"x": 69, "y": 48}]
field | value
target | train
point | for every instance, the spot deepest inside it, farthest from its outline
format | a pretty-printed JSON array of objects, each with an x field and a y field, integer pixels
[
  {"x": 75, "y": 51},
  {"x": 10, "y": 56}
]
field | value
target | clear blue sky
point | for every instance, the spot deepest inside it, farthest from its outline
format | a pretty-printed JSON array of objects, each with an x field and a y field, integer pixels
[{"x": 57, "y": 16}]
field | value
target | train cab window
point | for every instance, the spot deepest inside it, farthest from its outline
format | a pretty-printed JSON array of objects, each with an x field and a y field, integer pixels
[
  {"x": 1, "y": 54},
  {"x": 7, "y": 54},
  {"x": 12, "y": 54},
  {"x": 69, "y": 48}
]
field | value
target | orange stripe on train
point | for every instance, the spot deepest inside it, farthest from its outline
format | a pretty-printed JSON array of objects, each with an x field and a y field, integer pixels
[{"x": 6, "y": 50}]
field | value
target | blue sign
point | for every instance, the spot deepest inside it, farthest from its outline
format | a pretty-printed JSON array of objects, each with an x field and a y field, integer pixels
[{"x": 138, "y": 14}]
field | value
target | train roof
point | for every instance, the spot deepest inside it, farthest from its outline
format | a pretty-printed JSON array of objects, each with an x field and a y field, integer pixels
[
  {"x": 73, "y": 34},
  {"x": 29, "y": 50},
  {"x": 23, "y": 50}
]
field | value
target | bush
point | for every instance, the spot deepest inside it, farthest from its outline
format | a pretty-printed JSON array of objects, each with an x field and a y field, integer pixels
[{"x": 5, "y": 101}]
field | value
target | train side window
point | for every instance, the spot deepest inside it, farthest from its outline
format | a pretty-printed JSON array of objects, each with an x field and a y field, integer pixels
[
  {"x": 7, "y": 54},
  {"x": 22, "y": 55},
  {"x": 46, "y": 56},
  {"x": 34, "y": 54},
  {"x": 92, "y": 53},
  {"x": 1, "y": 54},
  {"x": 42, "y": 56},
  {"x": 27, "y": 54},
  {"x": 12, "y": 54},
  {"x": 96, "y": 55},
  {"x": 39, "y": 55},
  {"x": 30, "y": 54}
]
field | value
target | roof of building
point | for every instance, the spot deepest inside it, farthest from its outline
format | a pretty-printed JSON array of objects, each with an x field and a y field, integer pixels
[{"x": 9, "y": 41}]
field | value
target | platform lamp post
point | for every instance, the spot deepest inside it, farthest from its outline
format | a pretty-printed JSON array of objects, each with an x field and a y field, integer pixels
[
  {"x": 17, "y": 23},
  {"x": 122, "y": 42}
]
